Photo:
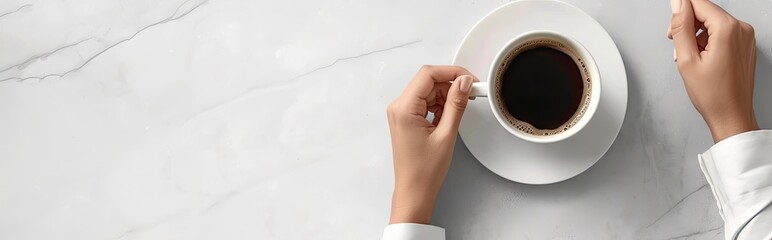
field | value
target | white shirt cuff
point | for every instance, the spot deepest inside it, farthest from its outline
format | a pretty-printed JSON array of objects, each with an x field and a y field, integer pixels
[
  {"x": 413, "y": 231},
  {"x": 739, "y": 171}
]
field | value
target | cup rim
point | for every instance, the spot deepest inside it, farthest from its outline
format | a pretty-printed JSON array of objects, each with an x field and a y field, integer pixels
[{"x": 594, "y": 78}]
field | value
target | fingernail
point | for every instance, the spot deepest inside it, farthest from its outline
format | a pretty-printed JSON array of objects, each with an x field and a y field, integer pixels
[
  {"x": 675, "y": 5},
  {"x": 466, "y": 83},
  {"x": 674, "y": 56}
]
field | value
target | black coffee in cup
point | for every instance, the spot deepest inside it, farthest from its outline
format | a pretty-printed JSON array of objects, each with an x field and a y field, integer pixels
[{"x": 543, "y": 87}]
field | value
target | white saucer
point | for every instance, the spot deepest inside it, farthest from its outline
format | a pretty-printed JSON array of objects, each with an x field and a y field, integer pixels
[{"x": 526, "y": 162}]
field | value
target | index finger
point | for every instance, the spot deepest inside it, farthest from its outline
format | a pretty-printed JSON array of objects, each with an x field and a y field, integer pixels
[
  {"x": 705, "y": 11},
  {"x": 424, "y": 80},
  {"x": 716, "y": 22}
]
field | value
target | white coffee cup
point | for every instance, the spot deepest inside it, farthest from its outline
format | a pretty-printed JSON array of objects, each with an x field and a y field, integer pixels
[{"x": 580, "y": 54}]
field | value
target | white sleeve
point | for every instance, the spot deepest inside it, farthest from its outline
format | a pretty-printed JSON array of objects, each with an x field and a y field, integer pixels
[
  {"x": 413, "y": 231},
  {"x": 739, "y": 171}
]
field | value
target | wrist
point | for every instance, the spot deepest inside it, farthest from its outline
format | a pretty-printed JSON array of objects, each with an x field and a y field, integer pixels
[
  {"x": 410, "y": 205},
  {"x": 725, "y": 128}
]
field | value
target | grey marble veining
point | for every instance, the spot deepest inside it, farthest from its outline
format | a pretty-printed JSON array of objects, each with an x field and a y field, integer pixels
[{"x": 237, "y": 119}]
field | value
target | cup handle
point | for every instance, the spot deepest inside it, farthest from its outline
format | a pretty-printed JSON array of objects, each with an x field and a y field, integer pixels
[{"x": 479, "y": 89}]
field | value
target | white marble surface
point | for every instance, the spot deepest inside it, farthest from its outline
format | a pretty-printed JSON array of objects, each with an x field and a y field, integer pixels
[{"x": 223, "y": 119}]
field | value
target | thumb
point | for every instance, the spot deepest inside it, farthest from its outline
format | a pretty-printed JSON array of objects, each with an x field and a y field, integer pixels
[
  {"x": 682, "y": 28},
  {"x": 458, "y": 96}
]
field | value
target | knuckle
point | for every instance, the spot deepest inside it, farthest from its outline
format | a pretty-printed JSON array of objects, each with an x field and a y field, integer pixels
[
  {"x": 392, "y": 110},
  {"x": 685, "y": 61},
  {"x": 733, "y": 23},
  {"x": 425, "y": 68},
  {"x": 748, "y": 29}
]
